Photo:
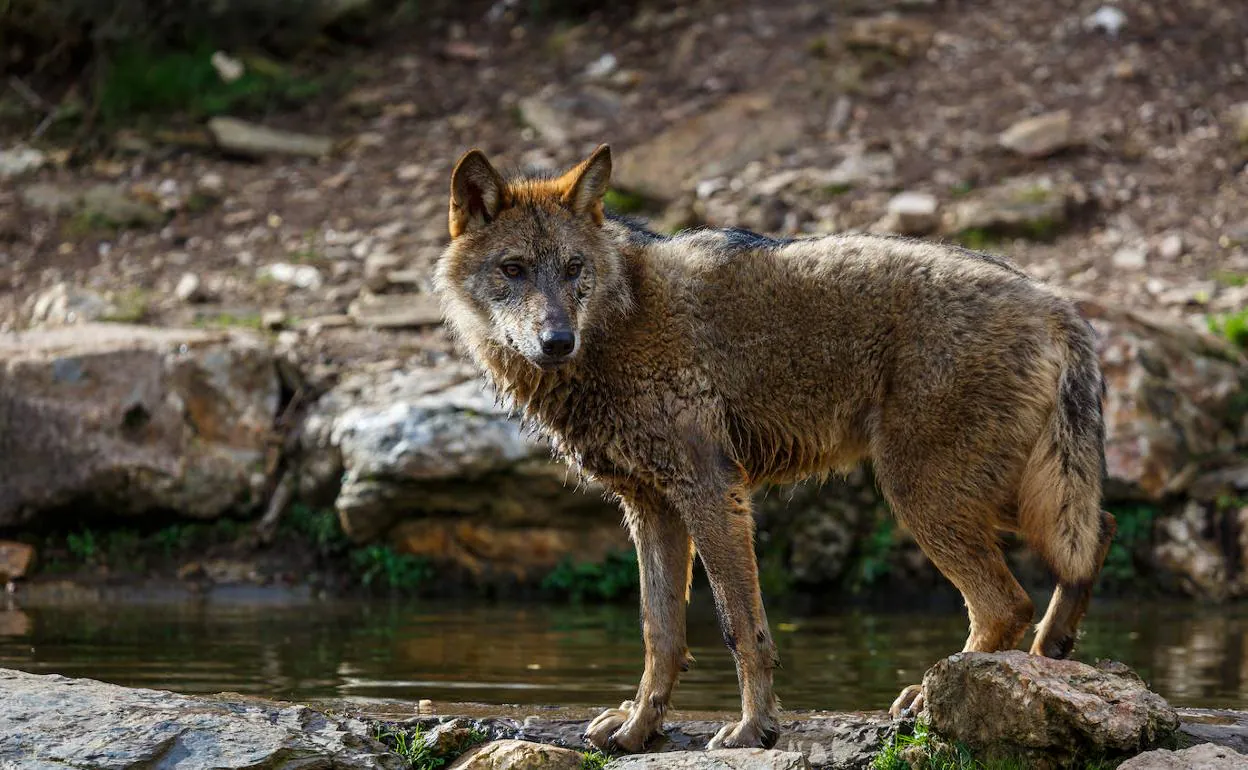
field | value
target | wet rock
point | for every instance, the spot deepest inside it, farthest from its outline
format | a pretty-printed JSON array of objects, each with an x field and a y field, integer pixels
[
  {"x": 19, "y": 160},
  {"x": 15, "y": 559},
  {"x": 299, "y": 276},
  {"x": 395, "y": 311},
  {"x": 132, "y": 420},
  {"x": 1204, "y": 757},
  {"x": 1043, "y": 710},
  {"x": 63, "y": 304},
  {"x": 245, "y": 138},
  {"x": 719, "y": 759},
  {"x": 1221, "y": 727},
  {"x": 1170, "y": 400},
  {"x": 518, "y": 755},
  {"x": 80, "y": 723},
  {"x": 111, "y": 206},
  {"x": 910, "y": 213},
  {"x": 1040, "y": 136},
  {"x": 1024, "y": 206},
  {"x": 712, "y": 143}
]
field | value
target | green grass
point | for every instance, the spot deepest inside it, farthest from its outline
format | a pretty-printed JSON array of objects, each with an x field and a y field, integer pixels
[
  {"x": 594, "y": 760},
  {"x": 1233, "y": 327},
  {"x": 1230, "y": 278},
  {"x": 141, "y": 81},
  {"x": 412, "y": 747},
  {"x": 229, "y": 321},
  {"x": 932, "y": 753},
  {"x": 613, "y": 578}
]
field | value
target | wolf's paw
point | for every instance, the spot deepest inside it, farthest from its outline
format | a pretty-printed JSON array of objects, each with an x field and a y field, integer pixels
[
  {"x": 909, "y": 703},
  {"x": 624, "y": 730},
  {"x": 747, "y": 734}
]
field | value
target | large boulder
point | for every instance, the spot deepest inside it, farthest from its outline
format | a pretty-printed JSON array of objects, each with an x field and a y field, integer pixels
[
  {"x": 1045, "y": 711},
  {"x": 427, "y": 458},
  {"x": 52, "y": 722},
  {"x": 132, "y": 420}
]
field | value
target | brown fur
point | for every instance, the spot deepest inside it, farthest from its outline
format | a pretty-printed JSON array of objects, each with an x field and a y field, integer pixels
[{"x": 712, "y": 362}]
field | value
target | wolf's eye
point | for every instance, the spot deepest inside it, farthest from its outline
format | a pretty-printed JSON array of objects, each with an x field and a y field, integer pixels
[
  {"x": 512, "y": 269},
  {"x": 573, "y": 270}
]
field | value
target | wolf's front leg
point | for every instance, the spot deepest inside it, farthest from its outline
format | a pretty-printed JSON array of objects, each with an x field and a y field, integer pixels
[
  {"x": 722, "y": 529},
  {"x": 665, "y": 560}
]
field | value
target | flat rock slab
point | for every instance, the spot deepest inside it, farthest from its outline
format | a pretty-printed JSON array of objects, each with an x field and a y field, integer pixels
[
  {"x": 54, "y": 722},
  {"x": 239, "y": 136},
  {"x": 1205, "y": 757},
  {"x": 719, "y": 759}
]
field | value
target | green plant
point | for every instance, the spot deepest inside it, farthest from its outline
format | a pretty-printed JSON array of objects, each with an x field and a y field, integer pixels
[
  {"x": 616, "y": 576},
  {"x": 1231, "y": 326},
  {"x": 82, "y": 545},
  {"x": 594, "y": 760},
  {"x": 319, "y": 526},
  {"x": 875, "y": 556},
  {"x": 228, "y": 321},
  {"x": 624, "y": 202},
  {"x": 130, "y": 306},
  {"x": 932, "y": 753},
  {"x": 410, "y": 745},
  {"x": 382, "y": 566},
  {"x": 1135, "y": 528},
  {"x": 977, "y": 239}
]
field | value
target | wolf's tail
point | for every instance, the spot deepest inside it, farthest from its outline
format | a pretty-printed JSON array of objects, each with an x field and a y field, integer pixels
[{"x": 1060, "y": 495}]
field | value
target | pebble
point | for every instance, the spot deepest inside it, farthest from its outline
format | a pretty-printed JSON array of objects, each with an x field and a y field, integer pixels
[
  {"x": 1171, "y": 246},
  {"x": 299, "y": 276},
  {"x": 1107, "y": 19},
  {"x": 188, "y": 288},
  {"x": 1130, "y": 257}
]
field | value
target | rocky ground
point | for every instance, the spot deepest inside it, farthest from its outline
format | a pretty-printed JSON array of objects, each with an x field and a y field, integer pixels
[
  {"x": 1046, "y": 714},
  {"x": 1102, "y": 149}
]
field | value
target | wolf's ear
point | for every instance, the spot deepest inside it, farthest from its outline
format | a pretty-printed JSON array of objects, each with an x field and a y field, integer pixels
[
  {"x": 476, "y": 193},
  {"x": 589, "y": 184}
]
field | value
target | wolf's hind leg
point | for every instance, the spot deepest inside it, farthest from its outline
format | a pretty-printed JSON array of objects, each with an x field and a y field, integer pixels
[{"x": 665, "y": 560}]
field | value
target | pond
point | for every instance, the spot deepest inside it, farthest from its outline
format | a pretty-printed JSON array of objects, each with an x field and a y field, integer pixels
[{"x": 304, "y": 649}]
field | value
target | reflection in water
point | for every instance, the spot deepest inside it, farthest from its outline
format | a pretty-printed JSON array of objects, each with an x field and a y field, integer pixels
[{"x": 591, "y": 655}]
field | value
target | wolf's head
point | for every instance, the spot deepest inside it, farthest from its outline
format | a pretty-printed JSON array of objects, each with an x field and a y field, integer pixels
[{"x": 531, "y": 265}]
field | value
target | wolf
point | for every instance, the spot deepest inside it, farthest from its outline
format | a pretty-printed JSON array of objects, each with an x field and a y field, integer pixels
[{"x": 683, "y": 372}]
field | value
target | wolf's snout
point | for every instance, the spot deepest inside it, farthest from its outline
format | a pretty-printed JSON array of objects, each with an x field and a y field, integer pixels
[{"x": 558, "y": 342}]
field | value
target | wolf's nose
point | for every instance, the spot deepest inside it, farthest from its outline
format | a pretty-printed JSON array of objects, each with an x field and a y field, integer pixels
[{"x": 558, "y": 342}]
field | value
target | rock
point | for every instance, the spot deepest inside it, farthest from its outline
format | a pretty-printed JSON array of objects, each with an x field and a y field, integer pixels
[
  {"x": 20, "y": 160},
  {"x": 63, "y": 305},
  {"x": 1170, "y": 400},
  {"x": 189, "y": 289},
  {"x": 211, "y": 185},
  {"x": 1022, "y": 206},
  {"x": 1191, "y": 559},
  {"x": 377, "y": 269},
  {"x": 1238, "y": 118},
  {"x": 910, "y": 213},
  {"x": 1043, "y": 709},
  {"x": 1236, "y": 234},
  {"x": 1171, "y": 246},
  {"x": 901, "y": 36},
  {"x": 719, "y": 759},
  {"x": 299, "y": 276},
  {"x": 518, "y": 755},
  {"x": 1040, "y": 136},
  {"x": 274, "y": 318},
  {"x": 715, "y": 142},
  {"x": 1221, "y": 727},
  {"x": 228, "y": 68},
  {"x": 1107, "y": 19},
  {"x": 54, "y": 722},
  {"x": 133, "y": 420},
  {"x": 15, "y": 559},
  {"x": 1130, "y": 257},
  {"x": 426, "y": 455},
  {"x": 561, "y": 117},
  {"x": 50, "y": 198},
  {"x": 859, "y": 168},
  {"x": 111, "y": 206},
  {"x": 1204, "y": 757},
  {"x": 396, "y": 311},
  {"x": 602, "y": 67},
  {"x": 245, "y": 138}
]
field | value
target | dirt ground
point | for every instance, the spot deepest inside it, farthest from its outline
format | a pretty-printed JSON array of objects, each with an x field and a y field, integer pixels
[{"x": 1158, "y": 167}]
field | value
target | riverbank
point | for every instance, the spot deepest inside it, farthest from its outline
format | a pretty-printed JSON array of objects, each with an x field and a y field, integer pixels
[{"x": 53, "y": 722}]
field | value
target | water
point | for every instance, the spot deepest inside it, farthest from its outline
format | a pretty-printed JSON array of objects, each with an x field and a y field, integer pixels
[{"x": 566, "y": 655}]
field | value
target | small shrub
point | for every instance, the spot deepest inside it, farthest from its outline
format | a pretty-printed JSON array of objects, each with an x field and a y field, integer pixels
[
  {"x": 615, "y": 577},
  {"x": 82, "y": 545},
  {"x": 594, "y": 760},
  {"x": 319, "y": 526},
  {"x": 875, "y": 557},
  {"x": 379, "y": 566},
  {"x": 1135, "y": 529},
  {"x": 412, "y": 747}
]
